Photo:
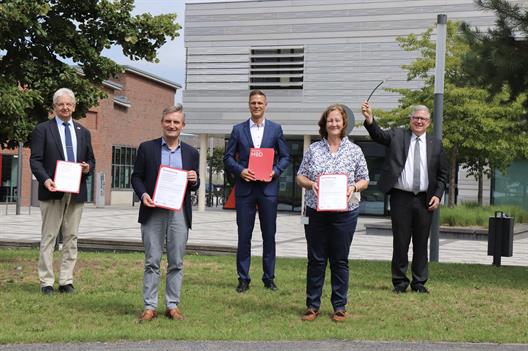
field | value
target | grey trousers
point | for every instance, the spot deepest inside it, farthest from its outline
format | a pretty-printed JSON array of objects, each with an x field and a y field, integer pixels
[{"x": 170, "y": 227}]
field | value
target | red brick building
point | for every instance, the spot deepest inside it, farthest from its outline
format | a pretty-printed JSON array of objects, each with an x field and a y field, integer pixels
[{"x": 129, "y": 115}]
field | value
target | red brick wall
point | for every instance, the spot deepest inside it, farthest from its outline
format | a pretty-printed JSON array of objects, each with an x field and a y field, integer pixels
[{"x": 111, "y": 124}]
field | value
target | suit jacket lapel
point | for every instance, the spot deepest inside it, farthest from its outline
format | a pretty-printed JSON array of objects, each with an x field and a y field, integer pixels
[
  {"x": 247, "y": 133},
  {"x": 406, "y": 144},
  {"x": 266, "y": 135},
  {"x": 56, "y": 136},
  {"x": 429, "y": 151},
  {"x": 157, "y": 154},
  {"x": 184, "y": 155},
  {"x": 78, "y": 135}
]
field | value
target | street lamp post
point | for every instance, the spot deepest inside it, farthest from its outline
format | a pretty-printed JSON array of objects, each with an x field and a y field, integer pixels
[{"x": 441, "y": 33}]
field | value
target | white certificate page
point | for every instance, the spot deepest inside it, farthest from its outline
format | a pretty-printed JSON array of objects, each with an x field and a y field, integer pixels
[
  {"x": 170, "y": 188},
  {"x": 68, "y": 177},
  {"x": 332, "y": 192}
]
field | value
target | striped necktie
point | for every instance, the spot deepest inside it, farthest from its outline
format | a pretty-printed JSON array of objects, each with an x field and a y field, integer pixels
[
  {"x": 416, "y": 170},
  {"x": 70, "y": 156}
]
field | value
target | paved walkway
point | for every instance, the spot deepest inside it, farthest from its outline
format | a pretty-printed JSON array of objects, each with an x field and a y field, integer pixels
[
  {"x": 330, "y": 345},
  {"x": 216, "y": 227}
]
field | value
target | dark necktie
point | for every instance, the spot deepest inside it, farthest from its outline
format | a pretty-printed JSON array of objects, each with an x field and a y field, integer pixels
[
  {"x": 69, "y": 145},
  {"x": 416, "y": 171}
]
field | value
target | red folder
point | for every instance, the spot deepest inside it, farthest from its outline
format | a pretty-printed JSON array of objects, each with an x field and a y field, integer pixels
[{"x": 261, "y": 162}]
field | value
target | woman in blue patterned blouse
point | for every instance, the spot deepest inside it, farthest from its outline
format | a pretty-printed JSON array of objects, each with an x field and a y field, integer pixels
[{"x": 329, "y": 234}]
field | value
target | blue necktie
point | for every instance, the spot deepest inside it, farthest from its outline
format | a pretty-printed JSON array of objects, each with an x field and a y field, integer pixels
[{"x": 69, "y": 145}]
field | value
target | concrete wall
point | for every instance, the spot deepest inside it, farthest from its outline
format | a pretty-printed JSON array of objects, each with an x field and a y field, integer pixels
[{"x": 349, "y": 46}]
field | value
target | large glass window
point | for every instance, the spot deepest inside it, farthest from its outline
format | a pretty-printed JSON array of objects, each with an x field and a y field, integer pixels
[
  {"x": 123, "y": 158},
  {"x": 512, "y": 187},
  {"x": 8, "y": 178},
  {"x": 373, "y": 200}
]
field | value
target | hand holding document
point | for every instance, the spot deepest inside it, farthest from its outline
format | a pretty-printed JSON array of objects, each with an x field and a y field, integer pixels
[
  {"x": 261, "y": 163},
  {"x": 332, "y": 192},
  {"x": 170, "y": 188},
  {"x": 67, "y": 177}
]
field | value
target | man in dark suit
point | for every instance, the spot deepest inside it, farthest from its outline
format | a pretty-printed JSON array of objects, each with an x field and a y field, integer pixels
[
  {"x": 415, "y": 175},
  {"x": 60, "y": 138},
  {"x": 257, "y": 132},
  {"x": 160, "y": 225}
]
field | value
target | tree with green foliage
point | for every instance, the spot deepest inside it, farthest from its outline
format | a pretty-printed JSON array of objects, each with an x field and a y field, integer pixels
[
  {"x": 500, "y": 55},
  {"x": 216, "y": 161},
  {"x": 477, "y": 130},
  {"x": 46, "y": 45}
]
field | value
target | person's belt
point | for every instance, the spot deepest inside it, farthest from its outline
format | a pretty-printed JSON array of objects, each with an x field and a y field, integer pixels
[{"x": 421, "y": 193}]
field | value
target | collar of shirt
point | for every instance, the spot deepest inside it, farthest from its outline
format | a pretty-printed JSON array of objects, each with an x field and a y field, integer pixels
[
  {"x": 414, "y": 137},
  {"x": 60, "y": 121},
  {"x": 164, "y": 143},
  {"x": 343, "y": 143},
  {"x": 253, "y": 124}
]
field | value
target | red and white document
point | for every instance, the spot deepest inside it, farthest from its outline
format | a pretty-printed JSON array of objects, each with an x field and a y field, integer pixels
[
  {"x": 170, "y": 188},
  {"x": 67, "y": 177},
  {"x": 332, "y": 192},
  {"x": 261, "y": 162}
]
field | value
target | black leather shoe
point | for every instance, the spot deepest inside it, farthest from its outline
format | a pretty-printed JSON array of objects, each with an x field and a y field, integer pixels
[
  {"x": 66, "y": 289},
  {"x": 399, "y": 289},
  {"x": 47, "y": 290},
  {"x": 420, "y": 289},
  {"x": 270, "y": 284},
  {"x": 243, "y": 286}
]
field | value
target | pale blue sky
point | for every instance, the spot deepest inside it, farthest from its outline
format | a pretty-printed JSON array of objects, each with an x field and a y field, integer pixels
[{"x": 172, "y": 54}]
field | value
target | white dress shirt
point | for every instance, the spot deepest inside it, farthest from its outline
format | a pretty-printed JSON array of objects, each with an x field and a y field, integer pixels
[
  {"x": 257, "y": 131},
  {"x": 63, "y": 136},
  {"x": 405, "y": 181}
]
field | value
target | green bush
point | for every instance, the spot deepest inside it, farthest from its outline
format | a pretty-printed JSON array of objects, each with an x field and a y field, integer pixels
[{"x": 470, "y": 214}]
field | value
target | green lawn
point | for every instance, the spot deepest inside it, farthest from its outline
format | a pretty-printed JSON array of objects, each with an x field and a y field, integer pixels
[{"x": 472, "y": 303}]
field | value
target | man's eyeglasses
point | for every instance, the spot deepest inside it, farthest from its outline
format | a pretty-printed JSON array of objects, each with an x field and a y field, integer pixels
[{"x": 419, "y": 119}]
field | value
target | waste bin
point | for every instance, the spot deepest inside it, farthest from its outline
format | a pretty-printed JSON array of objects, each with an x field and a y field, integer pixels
[{"x": 500, "y": 237}]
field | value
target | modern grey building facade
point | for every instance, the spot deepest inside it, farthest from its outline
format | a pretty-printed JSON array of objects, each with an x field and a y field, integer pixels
[{"x": 305, "y": 55}]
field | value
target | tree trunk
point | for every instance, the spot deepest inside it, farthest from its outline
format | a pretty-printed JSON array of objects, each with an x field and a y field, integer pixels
[
  {"x": 452, "y": 181},
  {"x": 480, "y": 187}
]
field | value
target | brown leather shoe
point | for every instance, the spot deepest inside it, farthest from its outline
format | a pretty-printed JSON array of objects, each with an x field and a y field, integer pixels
[
  {"x": 174, "y": 313},
  {"x": 148, "y": 315},
  {"x": 310, "y": 315},
  {"x": 339, "y": 316}
]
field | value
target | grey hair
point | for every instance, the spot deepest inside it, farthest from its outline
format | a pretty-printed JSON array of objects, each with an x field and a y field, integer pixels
[
  {"x": 172, "y": 109},
  {"x": 64, "y": 92},
  {"x": 416, "y": 108}
]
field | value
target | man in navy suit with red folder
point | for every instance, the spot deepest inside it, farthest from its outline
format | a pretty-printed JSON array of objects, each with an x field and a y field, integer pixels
[{"x": 250, "y": 193}]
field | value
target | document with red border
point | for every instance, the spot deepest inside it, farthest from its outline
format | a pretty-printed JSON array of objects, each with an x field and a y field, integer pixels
[
  {"x": 332, "y": 194},
  {"x": 67, "y": 177},
  {"x": 170, "y": 188},
  {"x": 261, "y": 162}
]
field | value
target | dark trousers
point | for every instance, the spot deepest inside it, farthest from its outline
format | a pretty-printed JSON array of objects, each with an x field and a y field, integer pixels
[
  {"x": 410, "y": 220},
  {"x": 246, "y": 207},
  {"x": 328, "y": 238}
]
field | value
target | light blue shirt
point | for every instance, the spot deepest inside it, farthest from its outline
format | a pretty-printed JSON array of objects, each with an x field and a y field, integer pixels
[
  {"x": 171, "y": 158},
  {"x": 63, "y": 136}
]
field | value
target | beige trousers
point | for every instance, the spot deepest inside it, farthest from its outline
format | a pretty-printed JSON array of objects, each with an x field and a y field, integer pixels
[{"x": 65, "y": 216}]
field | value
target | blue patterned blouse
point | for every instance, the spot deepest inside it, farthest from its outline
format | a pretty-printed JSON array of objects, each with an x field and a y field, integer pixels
[{"x": 318, "y": 160}]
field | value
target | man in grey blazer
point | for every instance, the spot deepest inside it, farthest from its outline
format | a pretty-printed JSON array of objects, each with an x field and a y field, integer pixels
[
  {"x": 415, "y": 175},
  {"x": 60, "y": 138}
]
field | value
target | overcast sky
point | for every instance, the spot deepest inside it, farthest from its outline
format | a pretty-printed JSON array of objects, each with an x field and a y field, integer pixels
[{"x": 172, "y": 54}]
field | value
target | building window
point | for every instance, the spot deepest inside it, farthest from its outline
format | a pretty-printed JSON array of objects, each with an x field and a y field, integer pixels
[
  {"x": 276, "y": 68},
  {"x": 123, "y": 158}
]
